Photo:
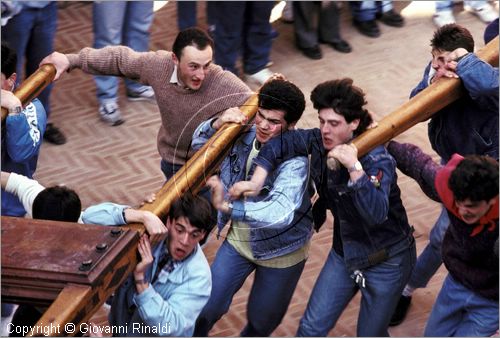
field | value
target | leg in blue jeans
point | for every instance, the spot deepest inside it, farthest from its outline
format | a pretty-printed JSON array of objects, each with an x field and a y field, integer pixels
[
  {"x": 269, "y": 298},
  {"x": 229, "y": 272},
  {"x": 31, "y": 34},
  {"x": 108, "y": 19},
  {"x": 363, "y": 10},
  {"x": 257, "y": 40},
  {"x": 332, "y": 292},
  {"x": 460, "y": 312},
  {"x": 430, "y": 259},
  {"x": 186, "y": 14},
  {"x": 384, "y": 283},
  {"x": 138, "y": 19}
]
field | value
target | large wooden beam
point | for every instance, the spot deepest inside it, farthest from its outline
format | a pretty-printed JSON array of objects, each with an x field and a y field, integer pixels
[
  {"x": 192, "y": 176},
  {"x": 33, "y": 85},
  {"x": 420, "y": 107}
]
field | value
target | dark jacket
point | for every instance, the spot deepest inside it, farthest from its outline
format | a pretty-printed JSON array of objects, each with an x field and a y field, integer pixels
[
  {"x": 467, "y": 250},
  {"x": 469, "y": 125},
  {"x": 369, "y": 214}
]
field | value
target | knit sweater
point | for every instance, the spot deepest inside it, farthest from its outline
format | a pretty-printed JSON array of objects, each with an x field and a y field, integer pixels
[{"x": 181, "y": 109}]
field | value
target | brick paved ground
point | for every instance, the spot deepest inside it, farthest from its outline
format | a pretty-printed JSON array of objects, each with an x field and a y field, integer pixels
[{"x": 121, "y": 163}]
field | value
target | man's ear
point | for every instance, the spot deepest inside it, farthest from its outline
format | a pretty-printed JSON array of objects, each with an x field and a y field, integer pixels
[
  {"x": 354, "y": 124},
  {"x": 175, "y": 59},
  {"x": 168, "y": 224},
  {"x": 291, "y": 126}
]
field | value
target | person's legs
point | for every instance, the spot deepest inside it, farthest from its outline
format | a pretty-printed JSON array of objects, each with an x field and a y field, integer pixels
[
  {"x": 186, "y": 14},
  {"x": 430, "y": 260},
  {"x": 257, "y": 39},
  {"x": 481, "y": 317},
  {"x": 306, "y": 32},
  {"x": 229, "y": 20},
  {"x": 364, "y": 13},
  {"x": 108, "y": 18},
  {"x": 137, "y": 22},
  {"x": 384, "y": 283},
  {"x": 332, "y": 292},
  {"x": 229, "y": 272},
  {"x": 269, "y": 298},
  {"x": 443, "y": 14},
  {"x": 448, "y": 310}
]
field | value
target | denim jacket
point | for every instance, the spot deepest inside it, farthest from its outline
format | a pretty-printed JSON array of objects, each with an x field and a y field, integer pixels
[
  {"x": 468, "y": 125},
  {"x": 21, "y": 141},
  {"x": 279, "y": 218},
  {"x": 369, "y": 213},
  {"x": 172, "y": 303}
]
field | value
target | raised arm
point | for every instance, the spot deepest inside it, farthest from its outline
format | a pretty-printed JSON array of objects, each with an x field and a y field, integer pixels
[{"x": 413, "y": 162}]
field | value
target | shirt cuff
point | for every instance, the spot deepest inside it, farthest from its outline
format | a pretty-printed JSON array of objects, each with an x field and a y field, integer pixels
[{"x": 145, "y": 296}]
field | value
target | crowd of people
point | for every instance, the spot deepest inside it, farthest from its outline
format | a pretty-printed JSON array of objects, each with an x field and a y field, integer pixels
[{"x": 263, "y": 192}]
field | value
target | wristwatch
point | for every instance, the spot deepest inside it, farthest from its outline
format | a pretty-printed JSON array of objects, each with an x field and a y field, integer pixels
[{"x": 356, "y": 167}]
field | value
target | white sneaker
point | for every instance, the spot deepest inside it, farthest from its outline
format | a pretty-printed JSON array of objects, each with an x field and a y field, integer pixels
[
  {"x": 145, "y": 94},
  {"x": 442, "y": 18},
  {"x": 110, "y": 113},
  {"x": 260, "y": 77},
  {"x": 486, "y": 13}
]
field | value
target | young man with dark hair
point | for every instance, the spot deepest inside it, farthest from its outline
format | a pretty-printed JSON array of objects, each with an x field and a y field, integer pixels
[
  {"x": 269, "y": 233},
  {"x": 467, "y": 304},
  {"x": 373, "y": 247},
  {"x": 172, "y": 282},
  {"x": 467, "y": 126},
  {"x": 188, "y": 87}
]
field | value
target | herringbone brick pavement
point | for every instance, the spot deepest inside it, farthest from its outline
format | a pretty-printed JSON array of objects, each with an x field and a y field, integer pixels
[{"x": 121, "y": 164}]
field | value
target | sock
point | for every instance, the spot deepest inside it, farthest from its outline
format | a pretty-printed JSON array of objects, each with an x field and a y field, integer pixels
[{"x": 408, "y": 291}]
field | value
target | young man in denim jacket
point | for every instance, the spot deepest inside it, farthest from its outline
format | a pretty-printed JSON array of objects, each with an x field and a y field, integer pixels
[
  {"x": 467, "y": 126},
  {"x": 373, "y": 247},
  {"x": 269, "y": 233}
]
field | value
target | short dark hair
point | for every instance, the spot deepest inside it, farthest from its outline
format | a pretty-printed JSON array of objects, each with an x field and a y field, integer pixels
[
  {"x": 345, "y": 99},
  {"x": 452, "y": 36},
  {"x": 475, "y": 178},
  {"x": 280, "y": 94},
  {"x": 196, "y": 209},
  {"x": 9, "y": 60},
  {"x": 191, "y": 37},
  {"x": 57, "y": 203}
]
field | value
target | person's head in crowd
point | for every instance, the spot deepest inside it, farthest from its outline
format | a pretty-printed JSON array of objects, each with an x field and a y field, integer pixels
[
  {"x": 9, "y": 62},
  {"x": 280, "y": 106},
  {"x": 192, "y": 55},
  {"x": 448, "y": 38},
  {"x": 57, "y": 203},
  {"x": 341, "y": 113},
  {"x": 474, "y": 184},
  {"x": 190, "y": 218}
]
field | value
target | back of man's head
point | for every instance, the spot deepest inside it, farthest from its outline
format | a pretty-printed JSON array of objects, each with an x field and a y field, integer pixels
[
  {"x": 280, "y": 94},
  {"x": 475, "y": 178},
  {"x": 57, "y": 203},
  {"x": 9, "y": 60},
  {"x": 196, "y": 209},
  {"x": 345, "y": 99},
  {"x": 452, "y": 36},
  {"x": 191, "y": 37}
]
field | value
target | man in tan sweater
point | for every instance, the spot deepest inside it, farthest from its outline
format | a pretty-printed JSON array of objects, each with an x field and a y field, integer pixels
[{"x": 189, "y": 88}]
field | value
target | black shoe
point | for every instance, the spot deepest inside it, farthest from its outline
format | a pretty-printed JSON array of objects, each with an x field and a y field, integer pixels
[
  {"x": 401, "y": 310},
  {"x": 339, "y": 45},
  {"x": 312, "y": 52},
  {"x": 391, "y": 18},
  {"x": 368, "y": 28},
  {"x": 54, "y": 135}
]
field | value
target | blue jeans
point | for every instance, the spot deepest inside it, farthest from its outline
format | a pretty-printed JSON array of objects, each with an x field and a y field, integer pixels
[
  {"x": 120, "y": 23},
  {"x": 269, "y": 298},
  {"x": 243, "y": 28},
  {"x": 460, "y": 312},
  {"x": 367, "y": 10},
  {"x": 334, "y": 289},
  {"x": 31, "y": 34},
  {"x": 448, "y": 5},
  {"x": 430, "y": 259}
]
